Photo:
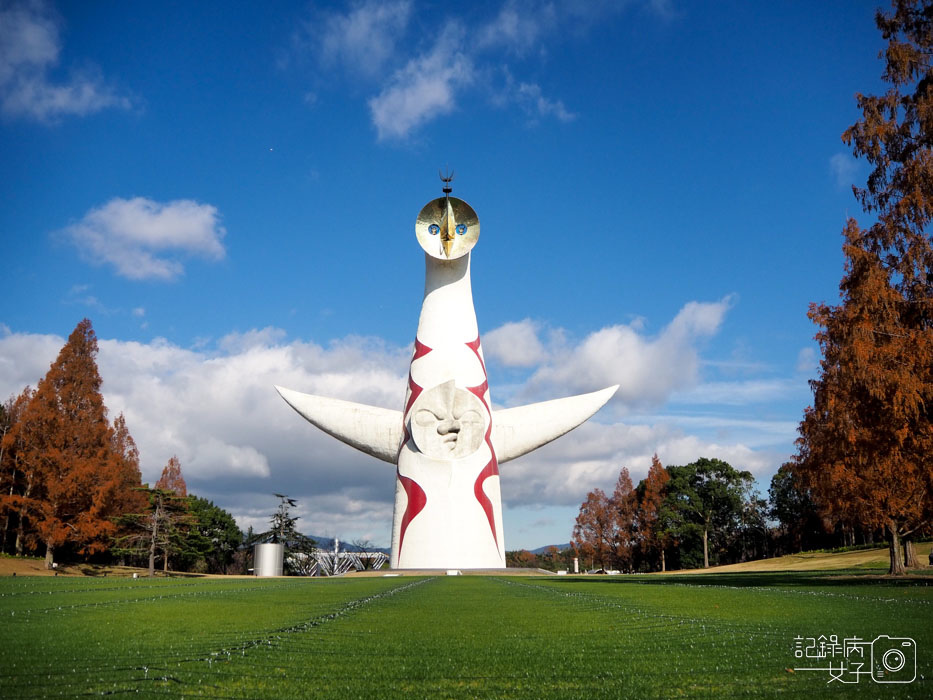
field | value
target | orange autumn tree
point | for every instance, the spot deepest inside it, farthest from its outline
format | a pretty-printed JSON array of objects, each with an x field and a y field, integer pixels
[
  {"x": 624, "y": 506},
  {"x": 594, "y": 531},
  {"x": 652, "y": 492},
  {"x": 865, "y": 446},
  {"x": 18, "y": 477},
  {"x": 172, "y": 480},
  {"x": 125, "y": 495},
  {"x": 606, "y": 527},
  {"x": 171, "y": 496},
  {"x": 80, "y": 483}
]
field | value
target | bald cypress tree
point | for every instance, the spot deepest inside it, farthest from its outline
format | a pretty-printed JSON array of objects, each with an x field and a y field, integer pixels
[
  {"x": 594, "y": 530},
  {"x": 865, "y": 445},
  {"x": 16, "y": 477},
  {"x": 80, "y": 481}
]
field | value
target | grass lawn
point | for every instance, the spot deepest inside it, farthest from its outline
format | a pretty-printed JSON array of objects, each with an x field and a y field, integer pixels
[{"x": 715, "y": 635}]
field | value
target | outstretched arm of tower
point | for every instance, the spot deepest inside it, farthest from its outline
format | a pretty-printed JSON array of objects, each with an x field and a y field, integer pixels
[
  {"x": 370, "y": 429},
  {"x": 518, "y": 431}
]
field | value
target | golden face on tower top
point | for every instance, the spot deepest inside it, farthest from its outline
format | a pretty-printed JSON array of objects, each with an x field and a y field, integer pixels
[{"x": 447, "y": 228}]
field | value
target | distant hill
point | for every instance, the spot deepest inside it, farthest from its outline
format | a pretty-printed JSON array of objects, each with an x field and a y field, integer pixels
[{"x": 545, "y": 548}]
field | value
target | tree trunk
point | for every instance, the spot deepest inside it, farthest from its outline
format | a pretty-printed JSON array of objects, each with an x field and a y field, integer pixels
[
  {"x": 663, "y": 563},
  {"x": 165, "y": 560},
  {"x": 152, "y": 545},
  {"x": 6, "y": 519},
  {"x": 49, "y": 555},
  {"x": 911, "y": 561},
  {"x": 22, "y": 516},
  {"x": 895, "y": 551},
  {"x": 706, "y": 547}
]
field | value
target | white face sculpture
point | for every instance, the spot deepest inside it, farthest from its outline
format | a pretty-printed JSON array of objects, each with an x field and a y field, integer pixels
[
  {"x": 448, "y": 422},
  {"x": 447, "y": 228}
]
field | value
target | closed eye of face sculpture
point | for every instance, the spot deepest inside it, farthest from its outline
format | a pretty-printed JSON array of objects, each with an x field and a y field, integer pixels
[{"x": 448, "y": 422}]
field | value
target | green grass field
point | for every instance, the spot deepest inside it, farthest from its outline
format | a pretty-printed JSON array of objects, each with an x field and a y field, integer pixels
[{"x": 729, "y": 635}]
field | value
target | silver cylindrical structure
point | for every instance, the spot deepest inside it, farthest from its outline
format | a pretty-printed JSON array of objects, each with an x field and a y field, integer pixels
[{"x": 268, "y": 559}]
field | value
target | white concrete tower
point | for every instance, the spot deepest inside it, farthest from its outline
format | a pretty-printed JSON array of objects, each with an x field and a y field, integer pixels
[{"x": 447, "y": 442}]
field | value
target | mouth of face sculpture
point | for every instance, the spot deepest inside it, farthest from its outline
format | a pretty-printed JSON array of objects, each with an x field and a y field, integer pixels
[
  {"x": 447, "y": 422},
  {"x": 449, "y": 427}
]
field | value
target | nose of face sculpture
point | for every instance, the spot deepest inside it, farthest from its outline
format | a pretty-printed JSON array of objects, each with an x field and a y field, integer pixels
[
  {"x": 448, "y": 226},
  {"x": 450, "y": 427}
]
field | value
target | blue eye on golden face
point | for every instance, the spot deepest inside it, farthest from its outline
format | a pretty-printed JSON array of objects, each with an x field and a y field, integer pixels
[
  {"x": 434, "y": 229},
  {"x": 461, "y": 229}
]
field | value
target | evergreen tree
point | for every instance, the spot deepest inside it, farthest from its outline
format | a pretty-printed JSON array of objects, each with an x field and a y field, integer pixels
[
  {"x": 217, "y": 534},
  {"x": 792, "y": 506},
  {"x": 173, "y": 504},
  {"x": 156, "y": 528},
  {"x": 707, "y": 496}
]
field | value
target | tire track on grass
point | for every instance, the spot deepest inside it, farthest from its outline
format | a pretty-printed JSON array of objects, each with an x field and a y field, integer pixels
[{"x": 269, "y": 640}]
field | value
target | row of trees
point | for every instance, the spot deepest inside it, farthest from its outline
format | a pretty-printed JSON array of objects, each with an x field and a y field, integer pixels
[
  {"x": 697, "y": 515},
  {"x": 70, "y": 482},
  {"x": 681, "y": 516}
]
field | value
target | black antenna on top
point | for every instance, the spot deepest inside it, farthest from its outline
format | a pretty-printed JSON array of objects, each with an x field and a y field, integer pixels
[{"x": 446, "y": 178}]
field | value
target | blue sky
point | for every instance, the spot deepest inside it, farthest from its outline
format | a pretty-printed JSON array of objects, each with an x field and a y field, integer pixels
[{"x": 229, "y": 194}]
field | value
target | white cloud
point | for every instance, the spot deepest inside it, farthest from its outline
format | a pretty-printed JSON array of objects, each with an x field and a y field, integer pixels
[
  {"x": 424, "y": 89},
  {"x": 29, "y": 50},
  {"x": 563, "y": 472},
  {"x": 738, "y": 393},
  {"x": 844, "y": 169},
  {"x": 807, "y": 362},
  {"x": 24, "y": 359},
  {"x": 363, "y": 39},
  {"x": 518, "y": 27},
  {"x": 80, "y": 294},
  {"x": 143, "y": 239},
  {"x": 423, "y": 72},
  {"x": 515, "y": 344},
  {"x": 530, "y": 97},
  {"x": 238, "y": 442},
  {"x": 756, "y": 433},
  {"x": 647, "y": 369},
  {"x": 423, "y": 58}
]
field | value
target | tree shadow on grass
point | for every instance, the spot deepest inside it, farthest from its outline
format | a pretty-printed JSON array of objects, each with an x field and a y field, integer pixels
[{"x": 840, "y": 577}]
